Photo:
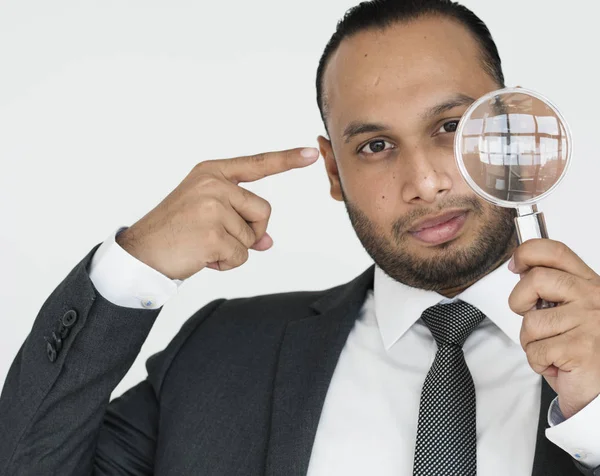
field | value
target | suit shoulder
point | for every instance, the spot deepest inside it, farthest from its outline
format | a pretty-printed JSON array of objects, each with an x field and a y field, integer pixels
[{"x": 286, "y": 305}]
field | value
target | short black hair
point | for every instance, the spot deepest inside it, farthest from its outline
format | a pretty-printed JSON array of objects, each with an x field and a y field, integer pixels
[{"x": 379, "y": 14}]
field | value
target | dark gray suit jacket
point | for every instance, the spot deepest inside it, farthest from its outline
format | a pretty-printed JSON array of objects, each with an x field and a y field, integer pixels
[{"x": 238, "y": 391}]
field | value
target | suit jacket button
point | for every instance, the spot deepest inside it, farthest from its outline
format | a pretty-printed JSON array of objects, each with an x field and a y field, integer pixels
[
  {"x": 50, "y": 351},
  {"x": 69, "y": 319}
]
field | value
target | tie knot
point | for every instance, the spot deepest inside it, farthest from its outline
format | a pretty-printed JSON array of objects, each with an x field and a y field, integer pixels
[{"x": 452, "y": 323}]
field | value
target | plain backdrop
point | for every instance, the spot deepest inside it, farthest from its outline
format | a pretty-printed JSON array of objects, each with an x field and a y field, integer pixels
[{"x": 105, "y": 106}]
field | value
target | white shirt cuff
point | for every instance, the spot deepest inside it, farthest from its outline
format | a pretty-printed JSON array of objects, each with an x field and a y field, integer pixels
[
  {"x": 579, "y": 435},
  {"x": 126, "y": 281}
]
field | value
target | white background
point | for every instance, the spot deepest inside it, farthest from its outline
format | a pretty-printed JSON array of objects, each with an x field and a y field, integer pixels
[{"x": 106, "y": 106}]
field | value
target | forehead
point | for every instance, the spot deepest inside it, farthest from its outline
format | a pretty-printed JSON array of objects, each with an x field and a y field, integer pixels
[{"x": 407, "y": 66}]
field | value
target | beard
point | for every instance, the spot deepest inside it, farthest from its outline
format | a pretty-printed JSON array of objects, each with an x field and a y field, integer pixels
[{"x": 455, "y": 266}]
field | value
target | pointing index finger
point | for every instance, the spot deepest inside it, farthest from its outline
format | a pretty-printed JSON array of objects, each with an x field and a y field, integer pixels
[{"x": 256, "y": 167}]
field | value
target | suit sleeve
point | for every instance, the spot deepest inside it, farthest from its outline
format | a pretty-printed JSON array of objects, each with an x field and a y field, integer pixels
[{"x": 54, "y": 408}]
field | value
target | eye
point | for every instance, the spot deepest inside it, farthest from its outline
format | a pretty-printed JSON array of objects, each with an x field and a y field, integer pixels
[
  {"x": 448, "y": 127},
  {"x": 375, "y": 147}
]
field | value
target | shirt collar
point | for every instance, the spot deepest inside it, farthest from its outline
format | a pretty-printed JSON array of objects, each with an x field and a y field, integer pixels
[{"x": 398, "y": 306}]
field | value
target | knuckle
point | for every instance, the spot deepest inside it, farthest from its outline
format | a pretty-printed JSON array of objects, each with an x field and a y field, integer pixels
[
  {"x": 260, "y": 206},
  {"x": 213, "y": 237},
  {"x": 247, "y": 195},
  {"x": 268, "y": 209},
  {"x": 203, "y": 167},
  {"x": 561, "y": 251},
  {"x": 207, "y": 181},
  {"x": 522, "y": 250},
  {"x": 259, "y": 160},
  {"x": 518, "y": 251},
  {"x": 515, "y": 297},
  {"x": 210, "y": 206},
  {"x": 263, "y": 209}
]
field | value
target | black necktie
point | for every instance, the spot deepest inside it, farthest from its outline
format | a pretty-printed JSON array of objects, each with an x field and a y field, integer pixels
[{"x": 446, "y": 432}]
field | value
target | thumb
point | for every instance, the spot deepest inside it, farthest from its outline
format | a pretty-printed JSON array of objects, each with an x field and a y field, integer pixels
[{"x": 263, "y": 244}]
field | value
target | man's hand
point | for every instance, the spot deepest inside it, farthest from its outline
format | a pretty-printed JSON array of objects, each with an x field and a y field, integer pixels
[
  {"x": 209, "y": 221},
  {"x": 562, "y": 343}
]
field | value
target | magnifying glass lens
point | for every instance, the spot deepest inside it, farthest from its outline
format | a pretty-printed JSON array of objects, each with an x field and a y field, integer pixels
[{"x": 514, "y": 147}]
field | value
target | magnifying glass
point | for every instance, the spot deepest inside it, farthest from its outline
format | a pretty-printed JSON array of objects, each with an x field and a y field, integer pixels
[{"x": 513, "y": 147}]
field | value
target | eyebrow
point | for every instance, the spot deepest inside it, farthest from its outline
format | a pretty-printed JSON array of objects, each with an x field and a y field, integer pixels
[
  {"x": 455, "y": 101},
  {"x": 358, "y": 127}
]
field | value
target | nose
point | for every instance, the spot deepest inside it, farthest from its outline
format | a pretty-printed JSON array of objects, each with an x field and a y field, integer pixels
[{"x": 425, "y": 177}]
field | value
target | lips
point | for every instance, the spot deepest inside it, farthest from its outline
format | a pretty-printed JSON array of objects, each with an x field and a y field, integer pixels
[
  {"x": 431, "y": 222},
  {"x": 442, "y": 232}
]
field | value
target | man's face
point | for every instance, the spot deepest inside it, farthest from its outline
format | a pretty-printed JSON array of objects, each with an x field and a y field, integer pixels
[{"x": 394, "y": 98}]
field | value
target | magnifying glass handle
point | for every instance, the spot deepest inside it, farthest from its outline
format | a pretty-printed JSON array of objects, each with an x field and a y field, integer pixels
[{"x": 530, "y": 223}]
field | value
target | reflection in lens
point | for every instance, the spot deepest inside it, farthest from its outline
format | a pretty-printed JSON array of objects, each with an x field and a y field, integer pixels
[{"x": 514, "y": 146}]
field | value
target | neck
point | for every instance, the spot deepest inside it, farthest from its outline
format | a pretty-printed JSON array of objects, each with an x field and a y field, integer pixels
[{"x": 451, "y": 292}]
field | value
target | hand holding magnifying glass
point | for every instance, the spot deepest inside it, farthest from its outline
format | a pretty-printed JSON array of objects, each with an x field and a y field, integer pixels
[{"x": 513, "y": 147}]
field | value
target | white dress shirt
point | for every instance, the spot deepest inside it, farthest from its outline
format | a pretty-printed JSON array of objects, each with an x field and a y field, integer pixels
[{"x": 369, "y": 419}]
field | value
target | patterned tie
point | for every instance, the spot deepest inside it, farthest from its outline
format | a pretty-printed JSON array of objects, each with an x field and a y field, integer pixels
[{"x": 446, "y": 433}]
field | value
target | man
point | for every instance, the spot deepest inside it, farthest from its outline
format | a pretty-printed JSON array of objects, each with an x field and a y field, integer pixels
[{"x": 421, "y": 365}]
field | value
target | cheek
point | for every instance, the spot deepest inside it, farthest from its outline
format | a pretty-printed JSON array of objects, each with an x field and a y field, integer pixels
[
  {"x": 379, "y": 199},
  {"x": 373, "y": 190}
]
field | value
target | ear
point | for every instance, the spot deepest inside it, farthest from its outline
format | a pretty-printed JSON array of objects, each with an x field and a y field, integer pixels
[{"x": 331, "y": 167}]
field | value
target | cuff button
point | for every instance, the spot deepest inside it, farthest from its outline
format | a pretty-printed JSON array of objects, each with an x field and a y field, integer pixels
[
  {"x": 148, "y": 302},
  {"x": 50, "y": 352},
  {"x": 69, "y": 319},
  {"x": 580, "y": 455}
]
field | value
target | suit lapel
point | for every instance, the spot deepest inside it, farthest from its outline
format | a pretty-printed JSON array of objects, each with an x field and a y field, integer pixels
[
  {"x": 309, "y": 354},
  {"x": 549, "y": 459}
]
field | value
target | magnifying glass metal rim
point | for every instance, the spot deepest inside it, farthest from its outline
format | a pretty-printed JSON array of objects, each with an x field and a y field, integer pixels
[{"x": 458, "y": 148}]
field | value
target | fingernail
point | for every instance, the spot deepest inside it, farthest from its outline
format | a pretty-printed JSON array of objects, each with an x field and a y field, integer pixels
[
  {"x": 310, "y": 153},
  {"x": 511, "y": 264}
]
